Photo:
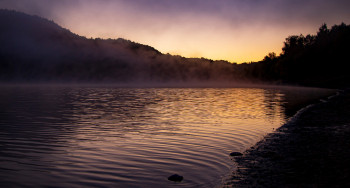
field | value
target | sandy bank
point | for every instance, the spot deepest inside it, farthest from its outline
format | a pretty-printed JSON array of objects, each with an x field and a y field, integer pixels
[{"x": 312, "y": 151}]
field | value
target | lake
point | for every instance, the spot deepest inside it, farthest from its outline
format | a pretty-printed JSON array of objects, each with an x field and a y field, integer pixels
[{"x": 134, "y": 137}]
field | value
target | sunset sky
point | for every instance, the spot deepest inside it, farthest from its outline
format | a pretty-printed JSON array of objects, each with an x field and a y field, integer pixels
[{"x": 233, "y": 30}]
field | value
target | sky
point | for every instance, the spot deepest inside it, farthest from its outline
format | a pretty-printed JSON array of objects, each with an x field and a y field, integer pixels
[{"x": 233, "y": 30}]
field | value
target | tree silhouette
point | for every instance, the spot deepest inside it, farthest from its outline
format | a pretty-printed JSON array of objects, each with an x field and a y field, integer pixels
[{"x": 315, "y": 60}]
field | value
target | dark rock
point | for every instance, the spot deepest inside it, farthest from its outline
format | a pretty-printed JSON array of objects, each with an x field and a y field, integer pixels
[
  {"x": 176, "y": 178},
  {"x": 234, "y": 154}
]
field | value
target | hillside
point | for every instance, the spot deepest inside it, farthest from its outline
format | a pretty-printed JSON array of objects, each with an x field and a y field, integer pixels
[{"x": 34, "y": 49}]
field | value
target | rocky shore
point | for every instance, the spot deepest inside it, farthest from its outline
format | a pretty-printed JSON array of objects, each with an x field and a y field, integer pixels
[{"x": 312, "y": 150}]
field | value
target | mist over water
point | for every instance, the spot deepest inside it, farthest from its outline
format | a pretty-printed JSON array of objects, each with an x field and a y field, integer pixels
[{"x": 115, "y": 137}]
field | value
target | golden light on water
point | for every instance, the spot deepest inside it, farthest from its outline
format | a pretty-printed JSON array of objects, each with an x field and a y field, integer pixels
[{"x": 130, "y": 137}]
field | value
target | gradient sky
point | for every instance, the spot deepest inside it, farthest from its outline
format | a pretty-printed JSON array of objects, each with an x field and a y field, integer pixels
[{"x": 233, "y": 30}]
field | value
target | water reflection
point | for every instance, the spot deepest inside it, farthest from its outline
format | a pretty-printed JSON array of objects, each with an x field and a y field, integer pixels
[{"x": 75, "y": 137}]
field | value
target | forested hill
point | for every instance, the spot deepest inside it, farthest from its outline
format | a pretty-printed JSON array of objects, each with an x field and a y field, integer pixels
[
  {"x": 34, "y": 49},
  {"x": 313, "y": 60}
]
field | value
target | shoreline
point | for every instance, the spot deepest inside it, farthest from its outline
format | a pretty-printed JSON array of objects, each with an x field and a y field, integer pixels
[{"x": 310, "y": 150}]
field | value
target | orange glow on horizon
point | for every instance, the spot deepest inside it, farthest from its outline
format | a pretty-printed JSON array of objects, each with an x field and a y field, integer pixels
[
  {"x": 236, "y": 31},
  {"x": 237, "y": 48}
]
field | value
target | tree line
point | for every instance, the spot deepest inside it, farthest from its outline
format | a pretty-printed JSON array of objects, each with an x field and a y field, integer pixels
[{"x": 312, "y": 60}]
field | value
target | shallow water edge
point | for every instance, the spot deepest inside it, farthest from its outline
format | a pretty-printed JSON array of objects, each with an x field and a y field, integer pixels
[{"x": 306, "y": 151}]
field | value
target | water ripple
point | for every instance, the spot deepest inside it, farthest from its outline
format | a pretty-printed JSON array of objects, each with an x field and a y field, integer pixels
[{"x": 112, "y": 137}]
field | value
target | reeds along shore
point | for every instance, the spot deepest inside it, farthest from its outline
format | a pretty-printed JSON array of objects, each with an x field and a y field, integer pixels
[{"x": 313, "y": 151}]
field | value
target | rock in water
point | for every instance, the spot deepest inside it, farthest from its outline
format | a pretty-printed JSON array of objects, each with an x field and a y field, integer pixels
[
  {"x": 176, "y": 178},
  {"x": 234, "y": 154}
]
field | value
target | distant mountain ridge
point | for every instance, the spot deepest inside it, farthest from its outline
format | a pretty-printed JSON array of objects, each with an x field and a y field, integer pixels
[
  {"x": 39, "y": 29},
  {"x": 36, "y": 49}
]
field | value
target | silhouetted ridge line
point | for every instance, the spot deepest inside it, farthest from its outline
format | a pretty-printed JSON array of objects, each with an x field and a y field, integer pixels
[
  {"x": 38, "y": 50},
  {"x": 34, "y": 49}
]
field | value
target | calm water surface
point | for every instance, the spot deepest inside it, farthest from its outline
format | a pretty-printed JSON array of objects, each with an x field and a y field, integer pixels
[{"x": 112, "y": 137}]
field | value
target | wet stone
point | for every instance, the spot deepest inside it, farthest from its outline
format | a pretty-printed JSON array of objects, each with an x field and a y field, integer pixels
[
  {"x": 234, "y": 154},
  {"x": 176, "y": 178}
]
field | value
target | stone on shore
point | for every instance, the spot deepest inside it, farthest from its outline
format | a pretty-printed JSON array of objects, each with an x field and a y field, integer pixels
[{"x": 234, "y": 154}]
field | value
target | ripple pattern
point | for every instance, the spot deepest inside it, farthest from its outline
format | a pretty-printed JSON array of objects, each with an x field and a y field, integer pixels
[{"x": 114, "y": 137}]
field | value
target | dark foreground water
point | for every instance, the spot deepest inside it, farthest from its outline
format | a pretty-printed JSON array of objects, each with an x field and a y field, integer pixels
[{"x": 112, "y": 137}]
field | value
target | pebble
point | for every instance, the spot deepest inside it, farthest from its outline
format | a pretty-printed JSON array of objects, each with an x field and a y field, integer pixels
[
  {"x": 236, "y": 154},
  {"x": 176, "y": 178}
]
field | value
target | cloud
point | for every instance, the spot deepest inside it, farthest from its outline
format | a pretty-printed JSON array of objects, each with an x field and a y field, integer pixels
[
  {"x": 238, "y": 13},
  {"x": 42, "y": 8}
]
